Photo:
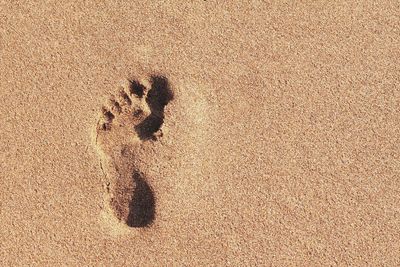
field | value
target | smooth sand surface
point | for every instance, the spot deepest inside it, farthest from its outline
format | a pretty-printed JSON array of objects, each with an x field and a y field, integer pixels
[{"x": 280, "y": 146}]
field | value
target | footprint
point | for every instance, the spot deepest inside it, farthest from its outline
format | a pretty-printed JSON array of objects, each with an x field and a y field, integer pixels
[{"x": 133, "y": 116}]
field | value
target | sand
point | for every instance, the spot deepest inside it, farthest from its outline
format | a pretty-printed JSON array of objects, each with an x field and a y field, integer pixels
[{"x": 279, "y": 145}]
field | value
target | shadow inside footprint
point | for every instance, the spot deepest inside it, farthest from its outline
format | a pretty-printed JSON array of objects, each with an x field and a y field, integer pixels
[
  {"x": 142, "y": 206},
  {"x": 157, "y": 98}
]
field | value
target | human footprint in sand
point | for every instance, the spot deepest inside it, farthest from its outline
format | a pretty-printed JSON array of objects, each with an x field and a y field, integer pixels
[{"x": 132, "y": 117}]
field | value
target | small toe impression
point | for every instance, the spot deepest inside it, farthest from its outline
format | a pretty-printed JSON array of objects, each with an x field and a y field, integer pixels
[
  {"x": 136, "y": 88},
  {"x": 115, "y": 106},
  {"x": 125, "y": 98},
  {"x": 108, "y": 117}
]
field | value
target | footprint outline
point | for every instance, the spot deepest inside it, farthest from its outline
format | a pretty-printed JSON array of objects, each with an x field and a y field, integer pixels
[{"x": 137, "y": 112}]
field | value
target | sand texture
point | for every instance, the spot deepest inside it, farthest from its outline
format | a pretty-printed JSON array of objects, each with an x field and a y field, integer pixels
[{"x": 200, "y": 133}]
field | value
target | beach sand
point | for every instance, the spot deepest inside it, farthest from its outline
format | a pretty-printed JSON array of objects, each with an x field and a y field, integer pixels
[{"x": 168, "y": 133}]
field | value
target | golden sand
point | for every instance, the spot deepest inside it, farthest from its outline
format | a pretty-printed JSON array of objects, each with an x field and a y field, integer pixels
[{"x": 279, "y": 144}]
